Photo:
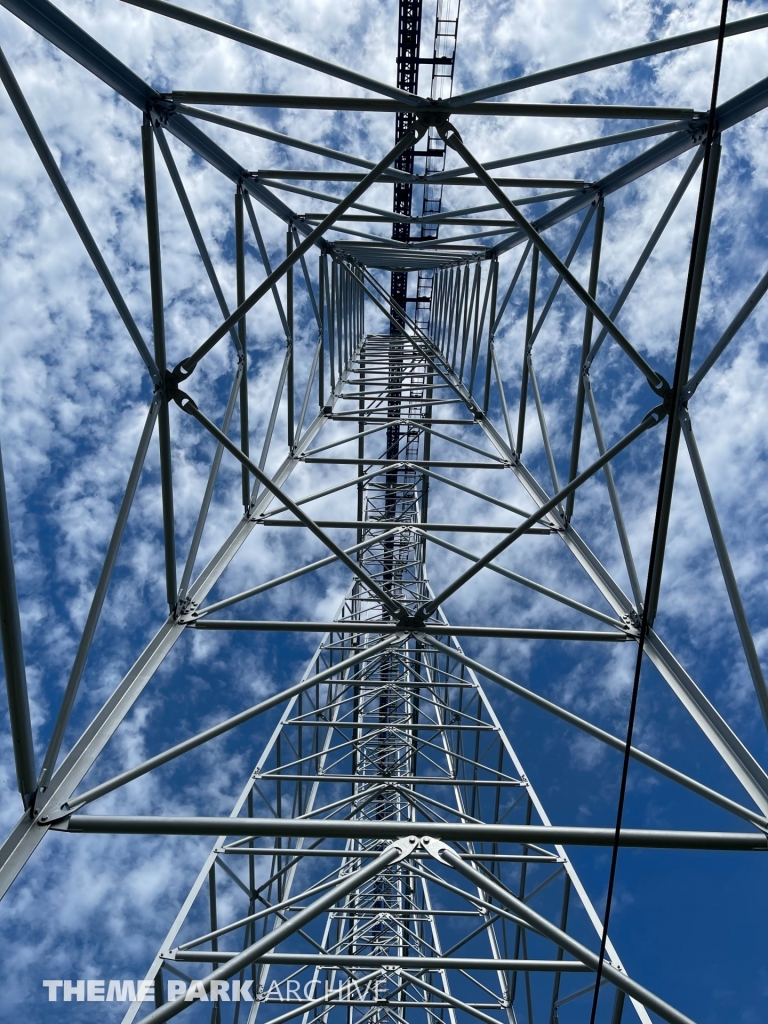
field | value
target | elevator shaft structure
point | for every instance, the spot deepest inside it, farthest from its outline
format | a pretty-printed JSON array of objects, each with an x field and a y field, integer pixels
[
  {"x": 408, "y": 46},
  {"x": 399, "y": 737}
]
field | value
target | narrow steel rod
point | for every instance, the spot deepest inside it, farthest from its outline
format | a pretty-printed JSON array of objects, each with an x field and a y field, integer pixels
[
  {"x": 727, "y": 336},
  {"x": 78, "y": 222},
  {"x": 331, "y": 828},
  {"x": 13, "y": 659},
  {"x": 655, "y": 381},
  {"x": 280, "y": 138},
  {"x": 271, "y": 424},
  {"x": 543, "y": 425},
  {"x": 266, "y": 518},
  {"x": 279, "y": 580},
  {"x": 587, "y": 220},
  {"x": 307, "y": 281},
  {"x": 186, "y": 367},
  {"x": 205, "y": 505},
  {"x": 243, "y": 347},
  {"x": 188, "y": 406},
  {"x": 729, "y": 577},
  {"x": 475, "y": 493},
  {"x": 194, "y": 227},
  {"x": 240, "y": 35},
  {"x": 600, "y": 734},
  {"x": 613, "y": 495},
  {"x": 502, "y": 398},
  {"x": 650, "y": 245},
  {"x": 97, "y": 602},
  {"x": 308, "y": 391},
  {"x": 665, "y": 128},
  {"x": 158, "y": 333},
  {"x": 265, "y": 261},
  {"x": 578, "y": 416},
  {"x": 531, "y": 584},
  {"x": 512, "y": 286},
  {"x": 651, "y": 419},
  {"x": 230, "y": 723},
  {"x": 639, "y": 52},
  {"x": 544, "y": 927}
]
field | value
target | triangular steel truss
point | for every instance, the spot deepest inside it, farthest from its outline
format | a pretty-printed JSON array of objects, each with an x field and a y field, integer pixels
[{"x": 389, "y": 858}]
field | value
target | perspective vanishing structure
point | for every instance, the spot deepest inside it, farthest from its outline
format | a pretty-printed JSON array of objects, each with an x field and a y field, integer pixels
[{"x": 389, "y": 854}]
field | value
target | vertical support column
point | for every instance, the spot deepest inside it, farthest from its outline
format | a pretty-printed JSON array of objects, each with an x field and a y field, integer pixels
[
  {"x": 289, "y": 317},
  {"x": 461, "y": 298},
  {"x": 479, "y": 323},
  {"x": 563, "y": 927},
  {"x": 682, "y": 370},
  {"x": 159, "y": 995},
  {"x": 322, "y": 270},
  {"x": 361, "y": 451},
  {"x": 586, "y": 344},
  {"x": 729, "y": 577},
  {"x": 212, "y": 905},
  {"x": 158, "y": 330},
  {"x": 336, "y": 298},
  {"x": 491, "y": 324},
  {"x": 450, "y": 309},
  {"x": 618, "y": 1007},
  {"x": 344, "y": 312},
  {"x": 330, "y": 296},
  {"x": 241, "y": 333},
  {"x": 446, "y": 278},
  {"x": 527, "y": 351},
  {"x": 472, "y": 299},
  {"x": 13, "y": 658}
]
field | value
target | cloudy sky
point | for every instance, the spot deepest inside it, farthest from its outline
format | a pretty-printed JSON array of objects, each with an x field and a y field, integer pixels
[{"x": 74, "y": 396}]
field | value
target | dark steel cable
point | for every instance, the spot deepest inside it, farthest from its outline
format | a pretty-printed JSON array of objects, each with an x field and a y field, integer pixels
[{"x": 674, "y": 401}]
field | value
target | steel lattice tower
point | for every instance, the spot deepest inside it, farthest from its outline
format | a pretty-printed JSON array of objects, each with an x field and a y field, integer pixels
[{"x": 388, "y": 857}]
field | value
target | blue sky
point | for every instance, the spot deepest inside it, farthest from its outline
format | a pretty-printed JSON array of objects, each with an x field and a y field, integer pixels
[{"x": 74, "y": 393}]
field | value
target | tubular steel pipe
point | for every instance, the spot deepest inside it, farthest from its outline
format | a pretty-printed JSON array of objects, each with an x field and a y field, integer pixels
[
  {"x": 421, "y": 963},
  {"x": 158, "y": 331},
  {"x": 729, "y": 577},
  {"x": 578, "y": 419},
  {"x": 78, "y": 222},
  {"x": 242, "y": 339},
  {"x": 637, "y": 838},
  {"x": 99, "y": 596},
  {"x": 230, "y": 723},
  {"x": 452, "y": 138},
  {"x": 377, "y": 626},
  {"x": 240, "y": 35},
  {"x": 303, "y": 917},
  {"x": 541, "y": 925},
  {"x": 580, "y": 67},
  {"x": 185, "y": 368},
  {"x": 685, "y": 348},
  {"x": 605, "y": 737},
  {"x": 13, "y": 658},
  {"x": 651, "y": 419}
]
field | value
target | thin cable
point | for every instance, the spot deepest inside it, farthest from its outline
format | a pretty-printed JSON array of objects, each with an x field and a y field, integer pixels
[{"x": 674, "y": 400}]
